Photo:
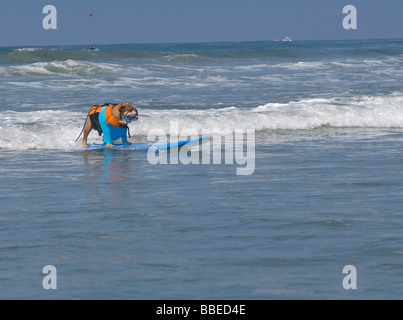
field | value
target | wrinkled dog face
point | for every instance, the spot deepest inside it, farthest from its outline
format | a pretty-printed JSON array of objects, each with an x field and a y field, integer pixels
[{"x": 128, "y": 112}]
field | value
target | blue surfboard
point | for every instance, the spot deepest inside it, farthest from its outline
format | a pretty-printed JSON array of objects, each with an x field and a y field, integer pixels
[{"x": 146, "y": 147}]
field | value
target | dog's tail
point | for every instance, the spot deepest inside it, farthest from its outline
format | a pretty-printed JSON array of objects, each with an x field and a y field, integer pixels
[
  {"x": 83, "y": 126},
  {"x": 80, "y": 133}
]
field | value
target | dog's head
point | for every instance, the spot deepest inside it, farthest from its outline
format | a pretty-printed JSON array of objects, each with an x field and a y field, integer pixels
[{"x": 128, "y": 112}]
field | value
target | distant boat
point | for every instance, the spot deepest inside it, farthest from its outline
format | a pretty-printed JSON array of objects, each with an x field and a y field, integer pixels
[{"x": 287, "y": 39}]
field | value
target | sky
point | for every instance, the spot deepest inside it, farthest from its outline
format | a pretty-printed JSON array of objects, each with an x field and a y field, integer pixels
[{"x": 173, "y": 21}]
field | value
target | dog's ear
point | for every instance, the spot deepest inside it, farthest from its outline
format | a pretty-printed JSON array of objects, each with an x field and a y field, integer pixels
[{"x": 122, "y": 107}]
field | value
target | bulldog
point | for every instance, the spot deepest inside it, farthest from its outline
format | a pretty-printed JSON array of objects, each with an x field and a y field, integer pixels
[{"x": 111, "y": 121}]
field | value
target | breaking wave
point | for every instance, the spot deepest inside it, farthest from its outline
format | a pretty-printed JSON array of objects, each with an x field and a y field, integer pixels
[{"x": 56, "y": 129}]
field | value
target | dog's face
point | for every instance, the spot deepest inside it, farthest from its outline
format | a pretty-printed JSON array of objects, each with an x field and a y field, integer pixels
[{"x": 128, "y": 112}]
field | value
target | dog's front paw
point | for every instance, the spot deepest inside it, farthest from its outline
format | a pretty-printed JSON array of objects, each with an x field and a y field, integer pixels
[
  {"x": 85, "y": 145},
  {"x": 108, "y": 145}
]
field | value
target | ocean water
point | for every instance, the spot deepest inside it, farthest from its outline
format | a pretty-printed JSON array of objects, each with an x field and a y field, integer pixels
[{"x": 326, "y": 190}]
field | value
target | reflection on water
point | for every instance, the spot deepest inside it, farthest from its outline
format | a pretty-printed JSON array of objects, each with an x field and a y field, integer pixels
[{"x": 108, "y": 173}]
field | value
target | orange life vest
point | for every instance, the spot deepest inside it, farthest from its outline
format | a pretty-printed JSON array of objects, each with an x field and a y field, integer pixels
[
  {"x": 111, "y": 119},
  {"x": 95, "y": 109},
  {"x": 94, "y": 113}
]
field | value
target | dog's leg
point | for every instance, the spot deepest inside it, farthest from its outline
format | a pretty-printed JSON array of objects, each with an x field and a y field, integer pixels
[
  {"x": 87, "y": 130},
  {"x": 124, "y": 138}
]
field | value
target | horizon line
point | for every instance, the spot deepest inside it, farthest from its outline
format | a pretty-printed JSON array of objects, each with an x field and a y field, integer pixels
[{"x": 199, "y": 42}]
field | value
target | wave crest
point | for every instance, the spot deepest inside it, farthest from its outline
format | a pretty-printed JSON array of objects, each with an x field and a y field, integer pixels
[
  {"x": 54, "y": 68},
  {"x": 58, "y": 129}
]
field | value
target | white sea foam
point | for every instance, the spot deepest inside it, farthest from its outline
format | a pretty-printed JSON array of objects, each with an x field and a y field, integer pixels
[
  {"x": 28, "y": 49},
  {"x": 302, "y": 65},
  {"x": 254, "y": 67},
  {"x": 343, "y": 63},
  {"x": 57, "y": 129},
  {"x": 377, "y": 112},
  {"x": 65, "y": 68},
  {"x": 186, "y": 58}
]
